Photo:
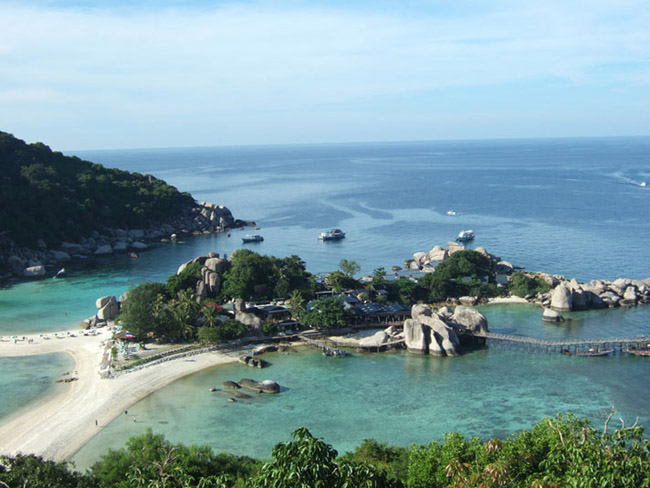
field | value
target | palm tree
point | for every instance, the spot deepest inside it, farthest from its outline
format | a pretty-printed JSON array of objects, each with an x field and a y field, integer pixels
[{"x": 296, "y": 300}]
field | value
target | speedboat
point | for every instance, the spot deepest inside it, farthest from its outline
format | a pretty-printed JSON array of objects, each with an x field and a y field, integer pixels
[
  {"x": 332, "y": 235},
  {"x": 255, "y": 238},
  {"x": 451, "y": 212},
  {"x": 465, "y": 236}
]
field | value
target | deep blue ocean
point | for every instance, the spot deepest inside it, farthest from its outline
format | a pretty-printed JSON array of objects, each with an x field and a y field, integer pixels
[{"x": 576, "y": 207}]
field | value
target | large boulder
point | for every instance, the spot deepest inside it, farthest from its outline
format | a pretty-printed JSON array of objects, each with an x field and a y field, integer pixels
[
  {"x": 629, "y": 297},
  {"x": 419, "y": 309},
  {"x": 438, "y": 253},
  {"x": 138, "y": 246},
  {"x": 104, "y": 250},
  {"x": 415, "y": 337},
  {"x": 60, "y": 256},
  {"x": 562, "y": 299},
  {"x": 16, "y": 264},
  {"x": 610, "y": 298},
  {"x": 470, "y": 319},
  {"x": 218, "y": 265},
  {"x": 108, "y": 308},
  {"x": 249, "y": 319},
  {"x": 550, "y": 315},
  {"x": 441, "y": 335},
  {"x": 120, "y": 246},
  {"x": 376, "y": 340}
]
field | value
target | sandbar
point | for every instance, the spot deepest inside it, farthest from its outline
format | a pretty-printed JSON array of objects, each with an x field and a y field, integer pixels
[{"x": 57, "y": 428}]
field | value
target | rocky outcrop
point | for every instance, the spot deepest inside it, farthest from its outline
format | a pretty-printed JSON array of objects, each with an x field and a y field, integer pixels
[
  {"x": 570, "y": 295},
  {"x": 434, "y": 333},
  {"x": 266, "y": 386},
  {"x": 426, "y": 261},
  {"x": 562, "y": 298},
  {"x": 202, "y": 218}
]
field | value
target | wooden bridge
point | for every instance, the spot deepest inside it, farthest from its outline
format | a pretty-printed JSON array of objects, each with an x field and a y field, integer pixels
[{"x": 566, "y": 346}]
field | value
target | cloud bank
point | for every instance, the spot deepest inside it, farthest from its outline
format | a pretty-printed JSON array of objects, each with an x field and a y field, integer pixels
[{"x": 99, "y": 76}]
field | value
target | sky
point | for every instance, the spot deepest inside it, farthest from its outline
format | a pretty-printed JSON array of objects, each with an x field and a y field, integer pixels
[{"x": 109, "y": 74}]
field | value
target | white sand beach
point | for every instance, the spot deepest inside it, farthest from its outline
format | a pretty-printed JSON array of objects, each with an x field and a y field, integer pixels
[{"x": 61, "y": 425}]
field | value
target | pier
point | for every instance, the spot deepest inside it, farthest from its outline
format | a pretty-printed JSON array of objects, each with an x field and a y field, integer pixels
[
  {"x": 620, "y": 345},
  {"x": 327, "y": 349}
]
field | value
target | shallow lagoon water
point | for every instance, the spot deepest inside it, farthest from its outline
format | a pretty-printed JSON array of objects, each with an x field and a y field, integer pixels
[
  {"x": 396, "y": 398},
  {"x": 571, "y": 206},
  {"x": 28, "y": 379}
]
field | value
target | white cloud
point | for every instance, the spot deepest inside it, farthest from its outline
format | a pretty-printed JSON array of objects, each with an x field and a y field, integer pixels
[{"x": 233, "y": 66}]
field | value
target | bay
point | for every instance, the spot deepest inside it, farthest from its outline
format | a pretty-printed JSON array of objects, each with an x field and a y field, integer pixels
[{"x": 574, "y": 207}]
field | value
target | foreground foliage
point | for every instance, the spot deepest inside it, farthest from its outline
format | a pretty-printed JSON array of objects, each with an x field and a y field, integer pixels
[{"x": 559, "y": 452}]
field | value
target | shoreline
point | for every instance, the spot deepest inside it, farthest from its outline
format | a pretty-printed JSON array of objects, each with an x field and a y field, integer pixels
[{"x": 62, "y": 425}]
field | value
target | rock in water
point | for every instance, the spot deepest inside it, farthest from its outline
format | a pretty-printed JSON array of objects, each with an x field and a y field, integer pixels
[{"x": 562, "y": 298}]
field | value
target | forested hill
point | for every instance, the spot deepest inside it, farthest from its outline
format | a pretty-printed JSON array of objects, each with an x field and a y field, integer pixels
[{"x": 46, "y": 195}]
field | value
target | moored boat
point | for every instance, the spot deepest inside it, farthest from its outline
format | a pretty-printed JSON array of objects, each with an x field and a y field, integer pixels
[
  {"x": 639, "y": 352},
  {"x": 255, "y": 238},
  {"x": 465, "y": 236},
  {"x": 332, "y": 235},
  {"x": 595, "y": 353}
]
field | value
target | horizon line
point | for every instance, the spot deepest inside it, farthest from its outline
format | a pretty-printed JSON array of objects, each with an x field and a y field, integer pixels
[{"x": 344, "y": 143}]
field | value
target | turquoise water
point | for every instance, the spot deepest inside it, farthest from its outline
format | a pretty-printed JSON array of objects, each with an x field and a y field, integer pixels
[
  {"x": 28, "y": 379},
  {"x": 397, "y": 398},
  {"x": 570, "y": 206}
]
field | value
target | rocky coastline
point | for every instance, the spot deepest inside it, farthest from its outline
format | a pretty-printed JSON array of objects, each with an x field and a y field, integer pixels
[
  {"x": 44, "y": 261},
  {"x": 564, "y": 295}
]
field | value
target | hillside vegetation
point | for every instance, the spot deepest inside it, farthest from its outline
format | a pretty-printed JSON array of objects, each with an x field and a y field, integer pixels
[{"x": 46, "y": 195}]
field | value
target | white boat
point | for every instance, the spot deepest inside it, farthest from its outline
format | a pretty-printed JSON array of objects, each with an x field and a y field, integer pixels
[
  {"x": 465, "y": 236},
  {"x": 332, "y": 235},
  {"x": 255, "y": 238},
  {"x": 643, "y": 184},
  {"x": 451, "y": 212}
]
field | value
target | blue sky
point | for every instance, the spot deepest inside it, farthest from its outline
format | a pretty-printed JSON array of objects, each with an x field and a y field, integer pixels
[{"x": 111, "y": 74}]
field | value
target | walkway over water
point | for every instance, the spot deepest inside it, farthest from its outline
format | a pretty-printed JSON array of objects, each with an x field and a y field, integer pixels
[{"x": 532, "y": 344}]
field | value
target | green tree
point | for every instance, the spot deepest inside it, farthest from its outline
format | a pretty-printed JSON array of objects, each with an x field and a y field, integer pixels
[
  {"x": 325, "y": 314},
  {"x": 349, "y": 267},
  {"x": 379, "y": 276},
  {"x": 34, "y": 472},
  {"x": 523, "y": 285},
  {"x": 309, "y": 462},
  {"x": 230, "y": 329},
  {"x": 297, "y": 302},
  {"x": 150, "y": 460},
  {"x": 142, "y": 312},
  {"x": 339, "y": 281},
  {"x": 186, "y": 279},
  {"x": 392, "y": 460}
]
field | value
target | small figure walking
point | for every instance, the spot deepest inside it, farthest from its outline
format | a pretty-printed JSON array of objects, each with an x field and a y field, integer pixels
[
  {"x": 126, "y": 412},
  {"x": 96, "y": 423}
]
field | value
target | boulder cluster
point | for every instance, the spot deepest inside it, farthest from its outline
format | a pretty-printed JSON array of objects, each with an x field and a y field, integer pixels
[
  {"x": 430, "y": 331},
  {"x": 436, "y": 332},
  {"x": 570, "y": 295},
  {"x": 266, "y": 386},
  {"x": 32, "y": 263}
]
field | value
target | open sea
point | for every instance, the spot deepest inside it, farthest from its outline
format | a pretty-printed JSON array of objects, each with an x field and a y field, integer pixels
[{"x": 576, "y": 207}]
